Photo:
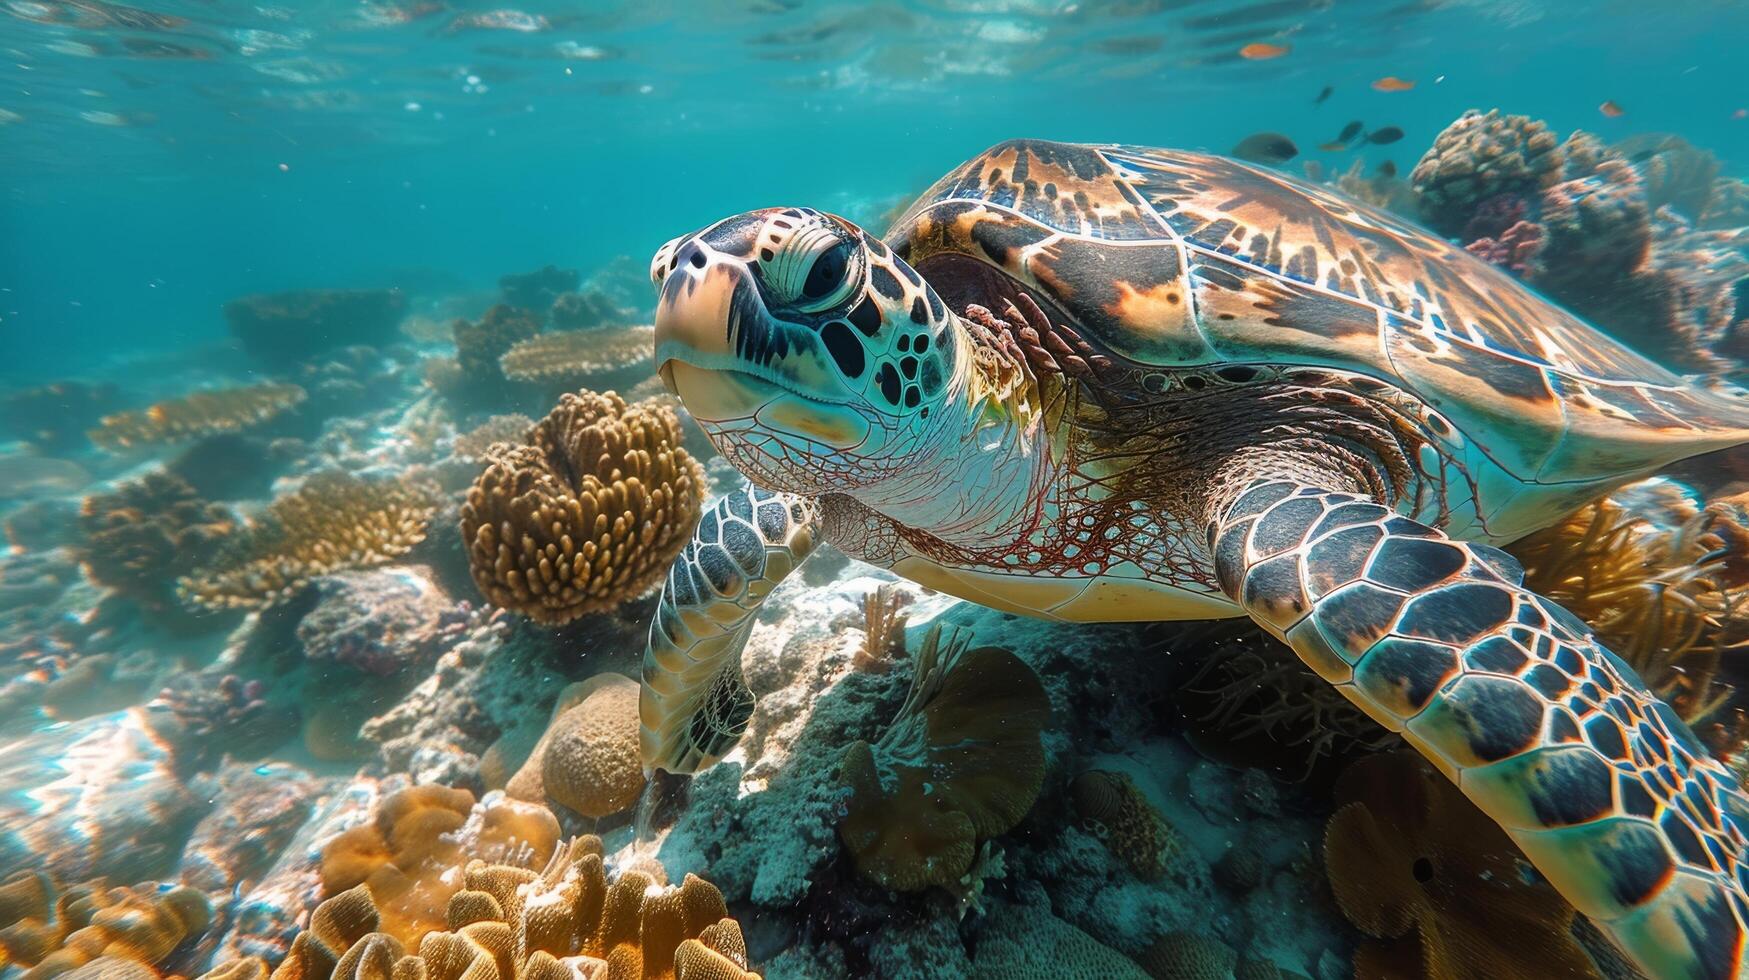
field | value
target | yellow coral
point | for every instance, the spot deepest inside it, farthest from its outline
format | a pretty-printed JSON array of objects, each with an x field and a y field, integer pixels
[
  {"x": 203, "y": 413},
  {"x": 409, "y": 857},
  {"x": 49, "y": 932},
  {"x": 588, "y": 759},
  {"x": 1114, "y": 807},
  {"x": 1415, "y": 864},
  {"x": 590, "y": 514},
  {"x": 334, "y": 521},
  {"x": 577, "y": 355},
  {"x": 962, "y": 762},
  {"x": 508, "y": 922}
]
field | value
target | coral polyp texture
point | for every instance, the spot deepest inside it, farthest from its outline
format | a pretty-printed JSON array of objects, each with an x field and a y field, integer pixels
[
  {"x": 202, "y": 413},
  {"x": 334, "y": 521},
  {"x": 588, "y": 758},
  {"x": 46, "y": 931},
  {"x": 568, "y": 919},
  {"x": 577, "y": 355},
  {"x": 138, "y": 539},
  {"x": 1112, "y": 806},
  {"x": 1480, "y": 156},
  {"x": 588, "y": 514},
  {"x": 1441, "y": 889},
  {"x": 961, "y": 763}
]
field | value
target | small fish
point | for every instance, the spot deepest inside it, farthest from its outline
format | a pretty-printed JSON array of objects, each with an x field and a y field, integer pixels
[
  {"x": 1391, "y": 83},
  {"x": 1350, "y": 131},
  {"x": 1329, "y": 90},
  {"x": 1387, "y": 170},
  {"x": 1262, "y": 51},
  {"x": 1740, "y": 114},
  {"x": 1272, "y": 148},
  {"x": 1334, "y": 146},
  {"x": 1610, "y": 109},
  {"x": 1385, "y": 136}
]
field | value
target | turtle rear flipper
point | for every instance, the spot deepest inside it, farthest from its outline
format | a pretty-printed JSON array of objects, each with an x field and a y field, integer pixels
[
  {"x": 695, "y": 703},
  {"x": 1599, "y": 782}
]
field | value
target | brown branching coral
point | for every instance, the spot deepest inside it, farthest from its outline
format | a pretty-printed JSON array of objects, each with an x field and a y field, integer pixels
[
  {"x": 408, "y": 859},
  {"x": 883, "y": 629},
  {"x": 590, "y": 514},
  {"x": 1111, "y": 806},
  {"x": 334, "y": 521},
  {"x": 588, "y": 758},
  {"x": 573, "y": 356},
  {"x": 141, "y": 538},
  {"x": 203, "y": 413},
  {"x": 962, "y": 762},
  {"x": 1658, "y": 578},
  {"x": 509, "y": 922},
  {"x": 1437, "y": 883},
  {"x": 46, "y": 931}
]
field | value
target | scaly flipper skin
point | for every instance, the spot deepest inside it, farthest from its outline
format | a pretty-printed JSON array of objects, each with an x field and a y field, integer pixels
[
  {"x": 1605, "y": 789},
  {"x": 695, "y": 703}
]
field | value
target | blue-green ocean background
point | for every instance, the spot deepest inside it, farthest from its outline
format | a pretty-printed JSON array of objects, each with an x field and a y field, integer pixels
[{"x": 157, "y": 160}]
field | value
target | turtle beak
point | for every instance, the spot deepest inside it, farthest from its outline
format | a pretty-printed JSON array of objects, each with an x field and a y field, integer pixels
[{"x": 693, "y": 312}]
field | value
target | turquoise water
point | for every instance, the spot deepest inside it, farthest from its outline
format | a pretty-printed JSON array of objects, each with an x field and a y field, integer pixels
[
  {"x": 142, "y": 160},
  {"x": 327, "y": 566}
]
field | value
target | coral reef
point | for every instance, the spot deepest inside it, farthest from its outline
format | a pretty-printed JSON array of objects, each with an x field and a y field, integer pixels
[
  {"x": 883, "y": 629},
  {"x": 473, "y": 380},
  {"x": 55, "y": 416},
  {"x": 280, "y": 327},
  {"x": 381, "y": 621},
  {"x": 508, "y": 429},
  {"x": 409, "y": 857},
  {"x": 1025, "y": 942},
  {"x": 202, "y": 413},
  {"x": 536, "y": 290},
  {"x": 575, "y": 356},
  {"x": 1182, "y": 955},
  {"x": 140, "y": 538},
  {"x": 506, "y": 921},
  {"x": 961, "y": 763},
  {"x": 1111, "y": 807},
  {"x": 49, "y": 931},
  {"x": 589, "y": 514},
  {"x": 587, "y": 760},
  {"x": 334, "y": 521},
  {"x": 1440, "y": 887},
  {"x": 1481, "y": 156}
]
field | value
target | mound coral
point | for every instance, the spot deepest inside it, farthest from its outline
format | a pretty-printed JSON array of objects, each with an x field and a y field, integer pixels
[
  {"x": 1188, "y": 956},
  {"x": 962, "y": 762},
  {"x": 590, "y": 514},
  {"x": 1482, "y": 156},
  {"x": 1416, "y": 865},
  {"x": 47, "y": 931},
  {"x": 203, "y": 413},
  {"x": 506, "y": 921},
  {"x": 536, "y": 290},
  {"x": 334, "y": 521},
  {"x": 409, "y": 857},
  {"x": 576, "y": 355},
  {"x": 1024, "y": 942},
  {"x": 588, "y": 758},
  {"x": 1654, "y": 574},
  {"x": 141, "y": 538},
  {"x": 278, "y": 327},
  {"x": 1114, "y": 809},
  {"x": 479, "y": 345}
]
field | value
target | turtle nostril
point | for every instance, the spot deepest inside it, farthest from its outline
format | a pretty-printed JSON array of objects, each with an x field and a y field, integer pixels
[{"x": 697, "y": 260}]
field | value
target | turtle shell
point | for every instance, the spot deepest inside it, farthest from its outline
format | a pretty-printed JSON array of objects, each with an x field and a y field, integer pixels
[{"x": 1175, "y": 259}]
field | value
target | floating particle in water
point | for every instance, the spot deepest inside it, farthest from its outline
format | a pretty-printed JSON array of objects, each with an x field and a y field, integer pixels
[
  {"x": 573, "y": 51},
  {"x": 412, "y": 107},
  {"x": 285, "y": 168},
  {"x": 102, "y": 118}
]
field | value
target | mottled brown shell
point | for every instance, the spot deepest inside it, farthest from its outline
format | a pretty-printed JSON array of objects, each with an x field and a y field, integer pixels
[{"x": 1170, "y": 259}]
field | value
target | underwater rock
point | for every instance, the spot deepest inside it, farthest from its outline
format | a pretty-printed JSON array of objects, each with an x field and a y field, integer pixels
[
  {"x": 960, "y": 764},
  {"x": 536, "y": 290},
  {"x": 589, "y": 514},
  {"x": 334, "y": 521},
  {"x": 473, "y": 381},
  {"x": 102, "y": 797},
  {"x": 291, "y": 326},
  {"x": 256, "y": 810},
  {"x": 193, "y": 416},
  {"x": 222, "y": 713},
  {"x": 228, "y": 466},
  {"x": 55, "y": 416},
  {"x": 588, "y": 758},
  {"x": 38, "y": 525},
  {"x": 380, "y": 621}
]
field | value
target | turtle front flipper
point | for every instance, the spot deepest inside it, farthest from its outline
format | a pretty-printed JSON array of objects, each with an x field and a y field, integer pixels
[
  {"x": 1600, "y": 783},
  {"x": 695, "y": 703}
]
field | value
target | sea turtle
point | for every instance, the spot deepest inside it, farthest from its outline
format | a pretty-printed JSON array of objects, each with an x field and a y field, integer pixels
[{"x": 1099, "y": 383}]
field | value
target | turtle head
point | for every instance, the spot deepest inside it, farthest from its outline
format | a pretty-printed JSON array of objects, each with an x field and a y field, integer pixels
[{"x": 814, "y": 358}]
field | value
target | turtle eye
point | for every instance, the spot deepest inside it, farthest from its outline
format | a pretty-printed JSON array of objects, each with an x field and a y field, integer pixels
[{"x": 827, "y": 273}]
